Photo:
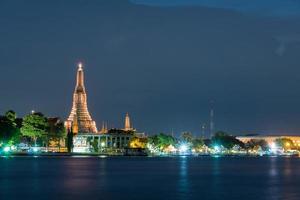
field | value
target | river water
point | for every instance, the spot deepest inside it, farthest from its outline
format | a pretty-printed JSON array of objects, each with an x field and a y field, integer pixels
[{"x": 207, "y": 178}]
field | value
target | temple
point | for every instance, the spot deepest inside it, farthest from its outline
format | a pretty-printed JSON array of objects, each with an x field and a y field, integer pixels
[
  {"x": 127, "y": 126},
  {"x": 80, "y": 120},
  {"x": 87, "y": 138}
]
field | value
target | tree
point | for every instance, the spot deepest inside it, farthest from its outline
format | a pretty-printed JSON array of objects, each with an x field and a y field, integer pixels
[
  {"x": 34, "y": 126},
  {"x": 187, "y": 137},
  {"x": 70, "y": 144},
  {"x": 161, "y": 141},
  {"x": 256, "y": 144},
  {"x": 226, "y": 140},
  {"x": 197, "y": 143},
  {"x": 138, "y": 142},
  {"x": 94, "y": 144},
  {"x": 11, "y": 116},
  {"x": 285, "y": 143},
  {"x": 57, "y": 130},
  {"x": 9, "y": 129}
]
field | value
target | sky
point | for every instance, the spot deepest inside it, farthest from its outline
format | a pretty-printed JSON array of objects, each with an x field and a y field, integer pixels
[
  {"x": 161, "y": 61},
  {"x": 280, "y": 8}
]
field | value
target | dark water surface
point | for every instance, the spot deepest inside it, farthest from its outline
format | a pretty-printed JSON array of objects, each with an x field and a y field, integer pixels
[{"x": 150, "y": 178}]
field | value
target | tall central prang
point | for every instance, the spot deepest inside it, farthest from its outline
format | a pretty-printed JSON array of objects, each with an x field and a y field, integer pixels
[{"x": 80, "y": 119}]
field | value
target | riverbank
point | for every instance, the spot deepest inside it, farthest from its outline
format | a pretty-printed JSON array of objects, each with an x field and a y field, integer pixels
[{"x": 57, "y": 154}]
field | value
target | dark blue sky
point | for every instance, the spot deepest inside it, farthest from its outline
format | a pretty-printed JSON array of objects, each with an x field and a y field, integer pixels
[{"x": 163, "y": 63}]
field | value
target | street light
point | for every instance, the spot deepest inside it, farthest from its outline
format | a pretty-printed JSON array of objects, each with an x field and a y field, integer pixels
[
  {"x": 183, "y": 148},
  {"x": 102, "y": 144},
  {"x": 6, "y": 149}
]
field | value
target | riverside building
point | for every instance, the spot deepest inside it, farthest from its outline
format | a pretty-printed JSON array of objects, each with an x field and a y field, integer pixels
[
  {"x": 86, "y": 136},
  {"x": 270, "y": 139}
]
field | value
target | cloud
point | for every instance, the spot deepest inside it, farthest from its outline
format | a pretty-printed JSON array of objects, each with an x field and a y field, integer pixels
[
  {"x": 286, "y": 8},
  {"x": 284, "y": 41}
]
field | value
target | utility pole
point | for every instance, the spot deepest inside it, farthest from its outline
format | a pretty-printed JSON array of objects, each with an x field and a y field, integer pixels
[
  {"x": 211, "y": 124},
  {"x": 203, "y": 127}
]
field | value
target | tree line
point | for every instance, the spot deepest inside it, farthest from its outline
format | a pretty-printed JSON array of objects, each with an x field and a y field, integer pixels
[
  {"x": 33, "y": 129},
  {"x": 161, "y": 142}
]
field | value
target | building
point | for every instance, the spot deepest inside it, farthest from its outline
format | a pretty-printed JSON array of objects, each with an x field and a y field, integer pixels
[
  {"x": 80, "y": 119},
  {"x": 118, "y": 138},
  {"x": 86, "y": 136},
  {"x": 270, "y": 139},
  {"x": 127, "y": 126},
  {"x": 110, "y": 141}
]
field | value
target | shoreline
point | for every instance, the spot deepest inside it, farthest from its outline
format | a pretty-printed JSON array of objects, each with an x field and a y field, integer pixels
[{"x": 53, "y": 155}]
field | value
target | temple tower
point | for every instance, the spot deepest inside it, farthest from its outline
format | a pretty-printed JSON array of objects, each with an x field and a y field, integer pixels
[
  {"x": 127, "y": 123},
  {"x": 104, "y": 128},
  {"x": 79, "y": 114},
  {"x": 211, "y": 123}
]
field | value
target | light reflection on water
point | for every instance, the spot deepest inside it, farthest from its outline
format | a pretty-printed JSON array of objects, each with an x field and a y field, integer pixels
[
  {"x": 273, "y": 179},
  {"x": 183, "y": 178},
  {"x": 206, "y": 178}
]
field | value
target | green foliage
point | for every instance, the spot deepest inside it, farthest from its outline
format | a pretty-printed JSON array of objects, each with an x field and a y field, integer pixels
[
  {"x": 197, "y": 143},
  {"x": 187, "y": 137},
  {"x": 9, "y": 131},
  {"x": 57, "y": 130},
  {"x": 138, "y": 142},
  {"x": 11, "y": 116},
  {"x": 94, "y": 144},
  {"x": 69, "y": 141},
  {"x": 285, "y": 143},
  {"x": 256, "y": 144},
  {"x": 161, "y": 140},
  {"x": 34, "y": 126},
  {"x": 226, "y": 140}
]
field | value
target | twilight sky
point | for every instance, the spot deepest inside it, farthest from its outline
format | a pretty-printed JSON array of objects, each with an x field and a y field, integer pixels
[{"x": 162, "y": 61}]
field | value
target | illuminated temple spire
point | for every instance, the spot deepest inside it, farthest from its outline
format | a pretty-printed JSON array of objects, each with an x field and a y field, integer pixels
[
  {"x": 79, "y": 114},
  {"x": 104, "y": 128},
  {"x": 127, "y": 123}
]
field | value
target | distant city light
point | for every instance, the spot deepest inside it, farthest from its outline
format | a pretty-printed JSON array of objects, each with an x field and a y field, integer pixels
[
  {"x": 80, "y": 66},
  {"x": 35, "y": 149},
  {"x": 273, "y": 147},
  {"x": 183, "y": 148},
  {"x": 216, "y": 148},
  {"x": 6, "y": 149}
]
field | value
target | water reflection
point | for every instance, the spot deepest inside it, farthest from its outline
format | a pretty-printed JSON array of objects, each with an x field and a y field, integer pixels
[
  {"x": 287, "y": 168},
  {"x": 273, "y": 189},
  {"x": 82, "y": 175},
  {"x": 216, "y": 172},
  {"x": 150, "y": 178},
  {"x": 273, "y": 171},
  {"x": 183, "y": 177}
]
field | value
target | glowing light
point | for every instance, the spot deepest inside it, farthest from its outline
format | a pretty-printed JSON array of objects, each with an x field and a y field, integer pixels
[
  {"x": 80, "y": 66},
  {"x": 183, "y": 148},
  {"x": 35, "y": 149},
  {"x": 81, "y": 149},
  {"x": 6, "y": 149},
  {"x": 216, "y": 148},
  {"x": 102, "y": 144},
  {"x": 273, "y": 147},
  {"x": 170, "y": 148}
]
